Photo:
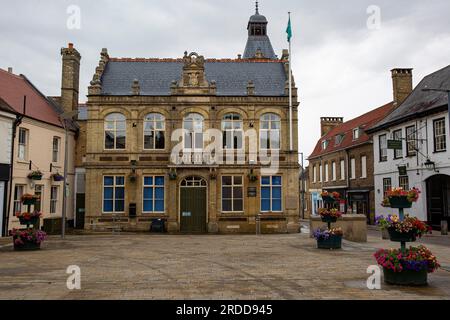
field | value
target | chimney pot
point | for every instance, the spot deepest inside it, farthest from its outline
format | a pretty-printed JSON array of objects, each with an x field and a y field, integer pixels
[
  {"x": 10, "y": 69},
  {"x": 70, "y": 45}
]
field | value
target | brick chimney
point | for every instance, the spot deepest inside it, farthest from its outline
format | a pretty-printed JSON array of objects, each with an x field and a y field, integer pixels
[
  {"x": 70, "y": 78},
  {"x": 329, "y": 123},
  {"x": 402, "y": 84}
]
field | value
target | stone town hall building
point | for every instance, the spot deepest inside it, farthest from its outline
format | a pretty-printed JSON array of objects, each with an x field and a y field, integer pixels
[{"x": 135, "y": 107}]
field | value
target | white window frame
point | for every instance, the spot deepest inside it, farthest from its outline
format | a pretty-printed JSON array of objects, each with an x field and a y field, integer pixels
[
  {"x": 56, "y": 149},
  {"x": 353, "y": 168},
  {"x": 41, "y": 199},
  {"x": 22, "y": 153},
  {"x": 326, "y": 172},
  {"x": 320, "y": 173},
  {"x": 363, "y": 167},
  {"x": 232, "y": 186},
  {"x": 153, "y": 186},
  {"x": 197, "y": 121},
  {"x": 398, "y": 136},
  {"x": 314, "y": 173},
  {"x": 382, "y": 148},
  {"x": 441, "y": 134},
  {"x": 356, "y": 133},
  {"x": 154, "y": 119},
  {"x": 237, "y": 129},
  {"x": 17, "y": 207},
  {"x": 270, "y": 118},
  {"x": 114, "y": 185},
  {"x": 386, "y": 186},
  {"x": 333, "y": 171},
  {"x": 411, "y": 141},
  {"x": 342, "y": 169},
  {"x": 403, "y": 182},
  {"x": 54, "y": 195}
]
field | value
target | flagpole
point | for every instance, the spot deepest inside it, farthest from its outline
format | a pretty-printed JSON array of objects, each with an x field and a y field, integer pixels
[{"x": 291, "y": 142}]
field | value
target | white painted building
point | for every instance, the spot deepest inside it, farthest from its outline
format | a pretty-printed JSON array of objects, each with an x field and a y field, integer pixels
[
  {"x": 7, "y": 119},
  {"x": 421, "y": 123}
]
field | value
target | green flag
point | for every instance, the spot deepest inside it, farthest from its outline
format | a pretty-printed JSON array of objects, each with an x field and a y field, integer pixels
[{"x": 289, "y": 30}]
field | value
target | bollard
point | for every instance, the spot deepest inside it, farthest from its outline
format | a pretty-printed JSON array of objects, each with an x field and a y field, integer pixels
[{"x": 444, "y": 227}]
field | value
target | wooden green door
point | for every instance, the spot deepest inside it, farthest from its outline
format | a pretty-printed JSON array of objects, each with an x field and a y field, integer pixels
[{"x": 193, "y": 209}]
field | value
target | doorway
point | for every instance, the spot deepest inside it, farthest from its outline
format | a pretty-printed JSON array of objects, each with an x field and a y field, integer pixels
[
  {"x": 438, "y": 197},
  {"x": 193, "y": 205}
]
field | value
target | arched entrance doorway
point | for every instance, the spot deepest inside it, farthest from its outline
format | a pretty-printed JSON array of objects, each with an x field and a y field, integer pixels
[
  {"x": 438, "y": 197},
  {"x": 193, "y": 205}
]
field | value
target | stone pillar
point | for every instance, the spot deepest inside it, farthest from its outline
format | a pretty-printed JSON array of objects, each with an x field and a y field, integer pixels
[
  {"x": 213, "y": 226},
  {"x": 172, "y": 207}
]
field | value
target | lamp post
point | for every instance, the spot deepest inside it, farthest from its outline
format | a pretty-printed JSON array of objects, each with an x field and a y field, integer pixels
[{"x": 64, "y": 117}]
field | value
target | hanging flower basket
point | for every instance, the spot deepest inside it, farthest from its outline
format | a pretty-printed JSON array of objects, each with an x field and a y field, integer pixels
[
  {"x": 29, "y": 218},
  {"x": 26, "y": 240},
  {"x": 35, "y": 175},
  {"x": 58, "y": 177},
  {"x": 329, "y": 215},
  {"x": 396, "y": 236},
  {"x": 399, "y": 202},
  {"x": 408, "y": 269}
]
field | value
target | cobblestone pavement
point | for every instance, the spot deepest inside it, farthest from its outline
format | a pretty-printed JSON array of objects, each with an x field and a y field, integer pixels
[{"x": 139, "y": 266}]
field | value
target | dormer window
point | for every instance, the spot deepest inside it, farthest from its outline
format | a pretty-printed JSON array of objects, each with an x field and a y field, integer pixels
[
  {"x": 356, "y": 132},
  {"x": 324, "y": 144},
  {"x": 338, "y": 139}
]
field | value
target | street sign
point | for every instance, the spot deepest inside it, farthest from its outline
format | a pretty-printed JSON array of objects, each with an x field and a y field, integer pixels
[
  {"x": 402, "y": 171},
  {"x": 395, "y": 144}
]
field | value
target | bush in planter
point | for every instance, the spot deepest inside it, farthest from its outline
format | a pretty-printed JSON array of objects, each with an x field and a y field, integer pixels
[
  {"x": 407, "y": 230},
  {"x": 29, "y": 239},
  {"x": 409, "y": 268},
  {"x": 329, "y": 215},
  {"x": 35, "y": 175}
]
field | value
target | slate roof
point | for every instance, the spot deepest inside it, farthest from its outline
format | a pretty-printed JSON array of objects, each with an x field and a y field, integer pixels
[
  {"x": 364, "y": 122},
  {"x": 259, "y": 42},
  {"x": 156, "y": 75},
  {"x": 420, "y": 103},
  {"x": 13, "y": 88}
]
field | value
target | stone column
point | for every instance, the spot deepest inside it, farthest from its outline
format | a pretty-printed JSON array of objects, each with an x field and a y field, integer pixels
[
  {"x": 172, "y": 206},
  {"x": 213, "y": 226}
]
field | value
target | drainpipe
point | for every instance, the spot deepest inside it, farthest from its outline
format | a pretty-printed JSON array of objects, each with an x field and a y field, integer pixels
[{"x": 16, "y": 123}]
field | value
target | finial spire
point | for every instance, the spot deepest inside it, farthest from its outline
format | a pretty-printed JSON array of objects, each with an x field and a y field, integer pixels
[{"x": 257, "y": 7}]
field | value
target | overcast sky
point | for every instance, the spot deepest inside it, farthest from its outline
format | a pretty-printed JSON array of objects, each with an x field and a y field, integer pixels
[{"x": 341, "y": 67}]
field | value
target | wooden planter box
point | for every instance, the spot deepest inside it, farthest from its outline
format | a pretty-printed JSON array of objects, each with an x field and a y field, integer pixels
[
  {"x": 401, "y": 237},
  {"x": 399, "y": 202},
  {"x": 406, "y": 277},
  {"x": 333, "y": 242}
]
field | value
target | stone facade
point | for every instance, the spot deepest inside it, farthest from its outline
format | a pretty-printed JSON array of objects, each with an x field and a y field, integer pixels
[{"x": 196, "y": 92}]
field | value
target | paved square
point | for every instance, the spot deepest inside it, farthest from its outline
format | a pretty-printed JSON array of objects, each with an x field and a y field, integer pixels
[{"x": 140, "y": 266}]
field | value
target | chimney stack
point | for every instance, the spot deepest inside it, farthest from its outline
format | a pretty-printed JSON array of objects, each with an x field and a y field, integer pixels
[
  {"x": 329, "y": 123},
  {"x": 10, "y": 70},
  {"x": 70, "y": 78},
  {"x": 402, "y": 84}
]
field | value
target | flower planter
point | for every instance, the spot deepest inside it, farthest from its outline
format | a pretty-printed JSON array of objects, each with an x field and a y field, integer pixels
[
  {"x": 328, "y": 199},
  {"x": 399, "y": 202},
  {"x": 33, "y": 221},
  {"x": 58, "y": 178},
  {"x": 333, "y": 242},
  {"x": 401, "y": 237},
  {"x": 406, "y": 277},
  {"x": 35, "y": 177},
  {"x": 329, "y": 219},
  {"x": 27, "y": 246},
  {"x": 29, "y": 202}
]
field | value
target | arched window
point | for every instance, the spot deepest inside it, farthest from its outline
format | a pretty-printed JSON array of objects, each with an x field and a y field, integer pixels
[
  {"x": 115, "y": 131},
  {"x": 269, "y": 132},
  {"x": 232, "y": 131},
  {"x": 154, "y": 128},
  {"x": 193, "y": 138}
]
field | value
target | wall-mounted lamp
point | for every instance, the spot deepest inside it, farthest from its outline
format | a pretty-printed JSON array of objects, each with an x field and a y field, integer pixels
[{"x": 431, "y": 165}]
